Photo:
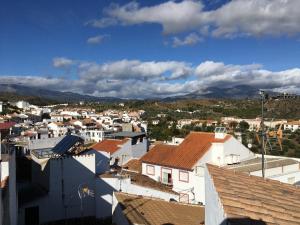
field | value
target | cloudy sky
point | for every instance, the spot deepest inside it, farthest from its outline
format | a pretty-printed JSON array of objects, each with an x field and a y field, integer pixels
[{"x": 142, "y": 48}]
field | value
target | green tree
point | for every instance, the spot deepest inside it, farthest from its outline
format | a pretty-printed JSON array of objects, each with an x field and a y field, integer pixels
[{"x": 243, "y": 125}]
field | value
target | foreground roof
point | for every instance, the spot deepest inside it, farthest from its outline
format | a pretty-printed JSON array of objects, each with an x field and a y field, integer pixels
[
  {"x": 109, "y": 145},
  {"x": 264, "y": 200},
  {"x": 185, "y": 155},
  {"x": 143, "y": 210}
]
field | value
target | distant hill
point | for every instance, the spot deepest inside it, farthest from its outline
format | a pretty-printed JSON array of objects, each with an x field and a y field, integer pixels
[
  {"x": 236, "y": 92},
  {"x": 57, "y": 96}
]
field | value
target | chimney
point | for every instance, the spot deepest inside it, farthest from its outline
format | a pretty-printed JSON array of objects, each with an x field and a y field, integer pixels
[{"x": 220, "y": 132}]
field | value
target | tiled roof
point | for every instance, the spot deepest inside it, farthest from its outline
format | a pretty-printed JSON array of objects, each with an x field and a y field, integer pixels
[
  {"x": 6, "y": 125},
  {"x": 150, "y": 211},
  {"x": 159, "y": 154},
  {"x": 185, "y": 155},
  {"x": 258, "y": 199},
  {"x": 109, "y": 145},
  {"x": 134, "y": 165}
]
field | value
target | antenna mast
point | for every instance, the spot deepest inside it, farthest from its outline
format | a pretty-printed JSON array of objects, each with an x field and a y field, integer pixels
[{"x": 263, "y": 98}]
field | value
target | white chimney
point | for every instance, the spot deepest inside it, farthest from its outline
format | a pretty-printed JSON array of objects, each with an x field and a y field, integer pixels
[{"x": 220, "y": 132}]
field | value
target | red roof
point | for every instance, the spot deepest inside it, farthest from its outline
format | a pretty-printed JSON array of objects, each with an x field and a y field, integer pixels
[
  {"x": 6, "y": 125},
  {"x": 109, "y": 145},
  {"x": 159, "y": 154},
  {"x": 185, "y": 155}
]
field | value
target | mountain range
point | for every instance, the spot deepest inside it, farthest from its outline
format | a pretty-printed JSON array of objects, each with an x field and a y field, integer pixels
[
  {"x": 58, "y": 96},
  {"x": 236, "y": 92}
]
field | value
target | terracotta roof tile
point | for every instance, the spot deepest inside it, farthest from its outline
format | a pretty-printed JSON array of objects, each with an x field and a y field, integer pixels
[
  {"x": 244, "y": 196},
  {"x": 109, "y": 145},
  {"x": 134, "y": 165},
  {"x": 159, "y": 154},
  {"x": 150, "y": 211},
  {"x": 185, "y": 155}
]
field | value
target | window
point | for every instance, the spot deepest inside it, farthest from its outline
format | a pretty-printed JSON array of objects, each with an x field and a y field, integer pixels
[
  {"x": 183, "y": 176},
  {"x": 166, "y": 176},
  {"x": 150, "y": 170}
]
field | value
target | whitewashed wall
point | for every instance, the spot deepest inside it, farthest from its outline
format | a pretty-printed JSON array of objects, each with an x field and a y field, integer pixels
[
  {"x": 139, "y": 149},
  {"x": 62, "y": 201},
  {"x": 106, "y": 186},
  {"x": 102, "y": 160},
  {"x": 289, "y": 174},
  {"x": 214, "y": 213},
  {"x": 4, "y": 169},
  {"x": 44, "y": 143},
  {"x": 124, "y": 153},
  {"x": 117, "y": 214},
  {"x": 194, "y": 188},
  {"x": 13, "y": 204},
  {"x": 218, "y": 152}
]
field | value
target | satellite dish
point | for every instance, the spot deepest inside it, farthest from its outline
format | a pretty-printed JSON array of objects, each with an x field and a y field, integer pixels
[{"x": 249, "y": 145}]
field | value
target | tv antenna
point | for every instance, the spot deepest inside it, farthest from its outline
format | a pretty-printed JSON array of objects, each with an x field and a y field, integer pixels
[
  {"x": 263, "y": 97},
  {"x": 267, "y": 135}
]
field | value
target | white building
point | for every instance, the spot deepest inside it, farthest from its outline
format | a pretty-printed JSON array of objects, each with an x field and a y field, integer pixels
[
  {"x": 92, "y": 135},
  {"x": 57, "y": 118},
  {"x": 292, "y": 125},
  {"x": 8, "y": 192},
  {"x": 22, "y": 104},
  {"x": 1, "y": 107},
  {"x": 283, "y": 169},
  {"x": 114, "y": 152},
  {"x": 155, "y": 122},
  {"x": 53, "y": 192},
  {"x": 182, "y": 166},
  {"x": 57, "y": 128}
]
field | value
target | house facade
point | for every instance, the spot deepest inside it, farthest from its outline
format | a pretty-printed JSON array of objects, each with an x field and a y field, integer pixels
[
  {"x": 116, "y": 152},
  {"x": 182, "y": 166}
]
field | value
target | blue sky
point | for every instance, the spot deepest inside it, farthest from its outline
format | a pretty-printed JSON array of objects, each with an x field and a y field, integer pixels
[{"x": 163, "y": 47}]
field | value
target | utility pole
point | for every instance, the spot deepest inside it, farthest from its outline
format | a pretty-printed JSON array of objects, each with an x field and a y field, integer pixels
[{"x": 262, "y": 94}]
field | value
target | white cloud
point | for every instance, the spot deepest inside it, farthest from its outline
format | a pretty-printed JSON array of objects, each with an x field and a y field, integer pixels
[
  {"x": 233, "y": 19},
  {"x": 135, "y": 69},
  {"x": 62, "y": 62},
  {"x": 190, "y": 39},
  {"x": 174, "y": 17},
  {"x": 102, "y": 23},
  {"x": 149, "y": 79},
  {"x": 221, "y": 75},
  {"x": 97, "y": 39}
]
